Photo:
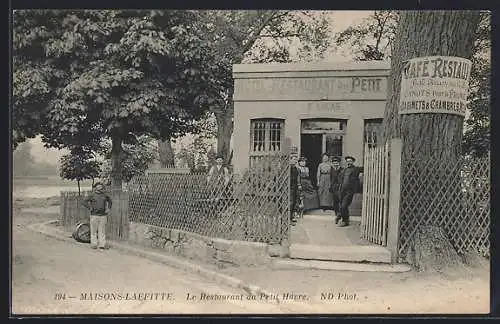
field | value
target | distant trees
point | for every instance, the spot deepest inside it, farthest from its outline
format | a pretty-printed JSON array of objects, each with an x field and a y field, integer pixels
[{"x": 24, "y": 163}]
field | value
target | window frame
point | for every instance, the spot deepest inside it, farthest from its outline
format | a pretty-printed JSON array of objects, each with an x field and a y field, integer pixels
[{"x": 267, "y": 135}]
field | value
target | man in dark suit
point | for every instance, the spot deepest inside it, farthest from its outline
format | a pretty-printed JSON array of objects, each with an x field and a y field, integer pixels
[
  {"x": 335, "y": 186},
  {"x": 294, "y": 188},
  {"x": 349, "y": 185}
]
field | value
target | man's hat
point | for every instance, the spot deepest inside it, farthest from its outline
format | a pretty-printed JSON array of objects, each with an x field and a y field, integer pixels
[
  {"x": 350, "y": 158},
  {"x": 218, "y": 156},
  {"x": 335, "y": 159},
  {"x": 302, "y": 158},
  {"x": 97, "y": 184}
]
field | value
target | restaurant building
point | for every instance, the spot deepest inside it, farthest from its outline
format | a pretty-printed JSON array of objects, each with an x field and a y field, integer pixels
[{"x": 318, "y": 108}]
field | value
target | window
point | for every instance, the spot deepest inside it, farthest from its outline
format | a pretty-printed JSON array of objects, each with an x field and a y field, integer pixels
[
  {"x": 373, "y": 132},
  {"x": 324, "y": 125},
  {"x": 266, "y": 135}
]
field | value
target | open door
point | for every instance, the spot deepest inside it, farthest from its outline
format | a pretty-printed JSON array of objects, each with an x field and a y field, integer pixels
[{"x": 311, "y": 148}]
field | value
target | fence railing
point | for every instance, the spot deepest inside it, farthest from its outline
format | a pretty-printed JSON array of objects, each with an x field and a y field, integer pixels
[
  {"x": 72, "y": 212},
  {"x": 253, "y": 206},
  {"x": 452, "y": 194}
]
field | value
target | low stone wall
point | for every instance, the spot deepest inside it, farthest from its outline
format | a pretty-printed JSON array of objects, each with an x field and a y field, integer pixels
[{"x": 220, "y": 252}]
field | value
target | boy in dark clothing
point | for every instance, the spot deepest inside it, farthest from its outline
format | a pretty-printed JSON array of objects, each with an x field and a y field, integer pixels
[{"x": 96, "y": 202}]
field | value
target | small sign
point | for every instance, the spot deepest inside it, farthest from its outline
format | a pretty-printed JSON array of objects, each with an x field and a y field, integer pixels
[{"x": 435, "y": 84}]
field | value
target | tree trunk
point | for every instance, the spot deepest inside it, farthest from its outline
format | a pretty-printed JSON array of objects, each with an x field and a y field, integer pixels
[
  {"x": 166, "y": 153},
  {"x": 224, "y": 132},
  {"x": 78, "y": 182},
  {"x": 116, "y": 165},
  {"x": 428, "y": 33}
]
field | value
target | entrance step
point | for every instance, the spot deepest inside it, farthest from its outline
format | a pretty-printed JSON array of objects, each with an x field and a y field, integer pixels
[
  {"x": 328, "y": 217},
  {"x": 356, "y": 253},
  {"x": 292, "y": 264}
]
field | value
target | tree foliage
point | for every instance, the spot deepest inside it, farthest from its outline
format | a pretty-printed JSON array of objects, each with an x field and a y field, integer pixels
[
  {"x": 135, "y": 159},
  {"x": 372, "y": 38},
  {"x": 80, "y": 76},
  {"x": 256, "y": 36},
  {"x": 477, "y": 131},
  {"x": 79, "y": 165}
]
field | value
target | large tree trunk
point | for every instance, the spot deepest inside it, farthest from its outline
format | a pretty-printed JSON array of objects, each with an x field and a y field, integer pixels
[
  {"x": 166, "y": 153},
  {"x": 116, "y": 163},
  {"x": 224, "y": 132},
  {"x": 428, "y": 33}
]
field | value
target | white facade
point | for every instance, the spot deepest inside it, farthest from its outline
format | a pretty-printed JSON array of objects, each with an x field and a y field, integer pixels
[{"x": 296, "y": 94}]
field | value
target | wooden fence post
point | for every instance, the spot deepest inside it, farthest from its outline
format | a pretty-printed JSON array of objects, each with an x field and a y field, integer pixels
[{"x": 394, "y": 198}]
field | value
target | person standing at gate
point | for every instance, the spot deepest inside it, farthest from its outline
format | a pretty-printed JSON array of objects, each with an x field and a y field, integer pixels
[
  {"x": 218, "y": 175},
  {"x": 309, "y": 194},
  {"x": 98, "y": 202},
  {"x": 349, "y": 185},
  {"x": 335, "y": 187},
  {"x": 323, "y": 181},
  {"x": 294, "y": 189}
]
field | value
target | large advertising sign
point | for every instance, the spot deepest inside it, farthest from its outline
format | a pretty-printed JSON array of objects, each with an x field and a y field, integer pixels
[{"x": 435, "y": 84}]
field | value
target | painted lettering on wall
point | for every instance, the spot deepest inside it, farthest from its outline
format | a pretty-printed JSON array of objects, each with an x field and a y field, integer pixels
[
  {"x": 435, "y": 84},
  {"x": 366, "y": 84},
  {"x": 333, "y": 107}
]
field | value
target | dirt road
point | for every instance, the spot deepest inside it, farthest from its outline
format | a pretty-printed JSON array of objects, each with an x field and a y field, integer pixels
[
  {"x": 54, "y": 277},
  {"x": 44, "y": 269}
]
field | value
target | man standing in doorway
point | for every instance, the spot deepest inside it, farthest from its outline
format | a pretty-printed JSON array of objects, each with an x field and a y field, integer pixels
[
  {"x": 349, "y": 185},
  {"x": 335, "y": 186}
]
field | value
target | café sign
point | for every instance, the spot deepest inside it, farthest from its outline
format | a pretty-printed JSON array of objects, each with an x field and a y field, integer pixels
[{"x": 435, "y": 84}]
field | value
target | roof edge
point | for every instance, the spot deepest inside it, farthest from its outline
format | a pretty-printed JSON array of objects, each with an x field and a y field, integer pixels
[{"x": 307, "y": 67}]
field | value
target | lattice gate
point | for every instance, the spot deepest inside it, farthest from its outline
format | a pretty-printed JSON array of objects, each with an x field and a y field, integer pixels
[{"x": 374, "y": 214}]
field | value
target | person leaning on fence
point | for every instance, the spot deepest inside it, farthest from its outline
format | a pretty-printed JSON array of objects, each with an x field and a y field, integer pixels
[
  {"x": 335, "y": 187},
  {"x": 218, "y": 175},
  {"x": 349, "y": 185},
  {"x": 98, "y": 202}
]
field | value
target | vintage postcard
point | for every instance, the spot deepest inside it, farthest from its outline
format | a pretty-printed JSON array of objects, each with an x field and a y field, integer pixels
[{"x": 250, "y": 162}]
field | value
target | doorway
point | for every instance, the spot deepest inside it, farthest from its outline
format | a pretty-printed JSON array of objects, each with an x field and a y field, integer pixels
[
  {"x": 311, "y": 149},
  {"x": 319, "y": 136}
]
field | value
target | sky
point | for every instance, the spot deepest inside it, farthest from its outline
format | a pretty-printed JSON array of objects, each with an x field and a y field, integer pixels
[{"x": 340, "y": 20}]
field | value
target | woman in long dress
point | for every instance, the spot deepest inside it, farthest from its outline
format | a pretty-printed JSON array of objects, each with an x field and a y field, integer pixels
[
  {"x": 323, "y": 178},
  {"x": 310, "y": 196}
]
